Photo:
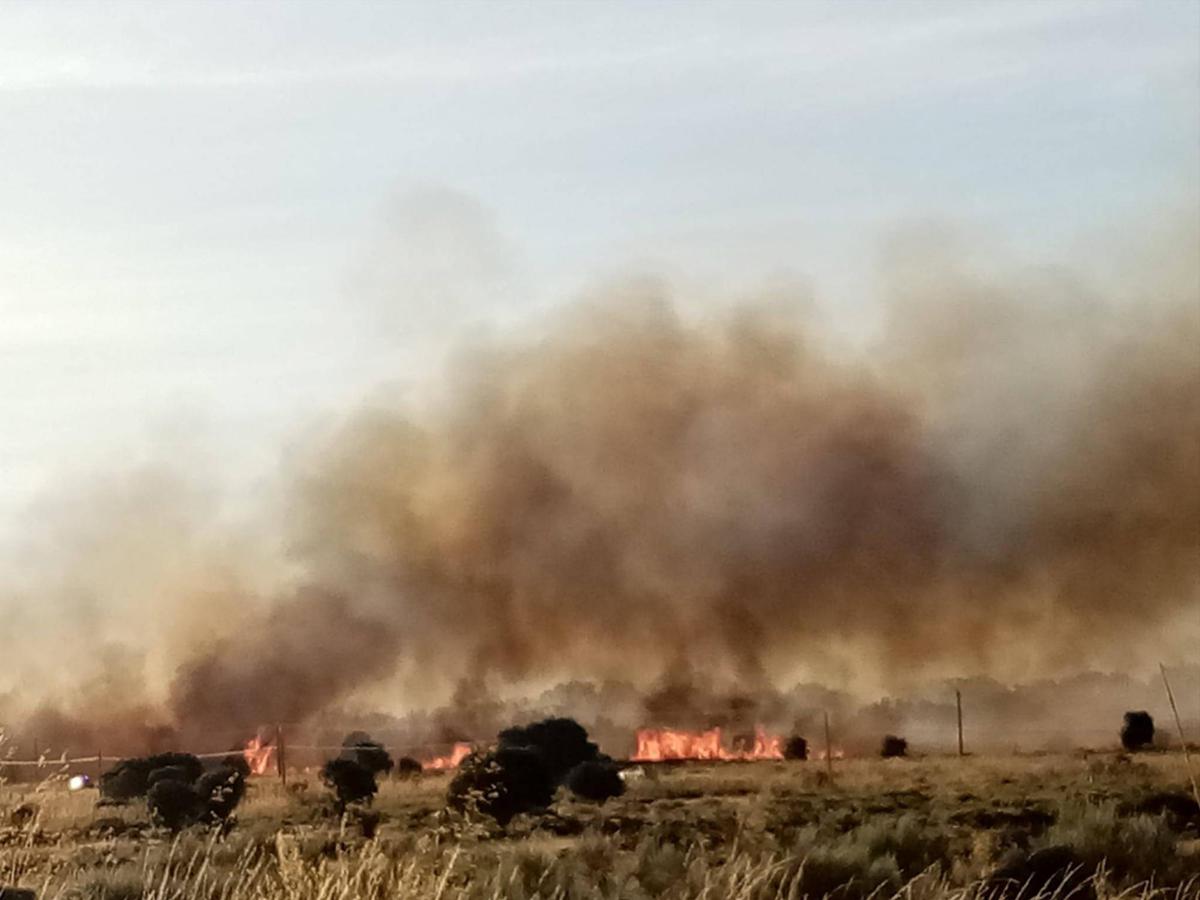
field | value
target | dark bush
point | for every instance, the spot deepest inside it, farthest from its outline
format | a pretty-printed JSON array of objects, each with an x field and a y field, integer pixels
[
  {"x": 222, "y": 790},
  {"x": 354, "y": 738},
  {"x": 795, "y": 748},
  {"x": 124, "y": 781},
  {"x": 596, "y": 780},
  {"x": 1056, "y": 870},
  {"x": 22, "y": 815},
  {"x": 503, "y": 783},
  {"x": 562, "y": 744},
  {"x": 174, "y": 804},
  {"x": 1138, "y": 731},
  {"x": 168, "y": 773},
  {"x": 130, "y": 778},
  {"x": 1181, "y": 811},
  {"x": 407, "y": 767},
  {"x": 893, "y": 746},
  {"x": 369, "y": 754},
  {"x": 236, "y": 761},
  {"x": 367, "y": 822},
  {"x": 350, "y": 781},
  {"x": 186, "y": 761}
]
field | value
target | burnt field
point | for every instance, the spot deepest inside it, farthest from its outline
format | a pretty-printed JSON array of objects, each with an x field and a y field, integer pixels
[{"x": 1099, "y": 825}]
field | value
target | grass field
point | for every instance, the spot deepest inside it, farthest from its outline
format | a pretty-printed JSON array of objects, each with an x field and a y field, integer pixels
[{"x": 914, "y": 828}]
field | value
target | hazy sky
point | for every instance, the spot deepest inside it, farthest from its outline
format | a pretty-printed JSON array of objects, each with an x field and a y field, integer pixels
[{"x": 219, "y": 220}]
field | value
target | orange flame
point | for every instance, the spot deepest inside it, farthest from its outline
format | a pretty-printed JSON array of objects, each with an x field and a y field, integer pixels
[
  {"x": 259, "y": 755},
  {"x": 460, "y": 751},
  {"x": 655, "y": 744}
]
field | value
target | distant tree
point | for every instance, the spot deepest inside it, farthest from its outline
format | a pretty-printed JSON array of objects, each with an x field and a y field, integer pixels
[
  {"x": 1138, "y": 731},
  {"x": 893, "y": 746},
  {"x": 795, "y": 748}
]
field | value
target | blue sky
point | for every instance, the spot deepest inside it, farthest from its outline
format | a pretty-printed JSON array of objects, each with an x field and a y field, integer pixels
[{"x": 220, "y": 221}]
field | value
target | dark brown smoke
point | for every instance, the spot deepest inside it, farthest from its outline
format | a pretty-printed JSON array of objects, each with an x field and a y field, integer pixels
[
  {"x": 635, "y": 492},
  {"x": 319, "y": 649},
  {"x": 1007, "y": 484}
]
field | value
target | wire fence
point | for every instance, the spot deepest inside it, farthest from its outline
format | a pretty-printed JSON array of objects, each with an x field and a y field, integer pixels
[
  {"x": 943, "y": 733},
  {"x": 426, "y": 753},
  {"x": 1027, "y": 742}
]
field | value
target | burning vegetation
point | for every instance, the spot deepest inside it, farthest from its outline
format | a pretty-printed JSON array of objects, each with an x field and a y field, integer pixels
[
  {"x": 658, "y": 744},
  {"x": 632, "y": 492}
]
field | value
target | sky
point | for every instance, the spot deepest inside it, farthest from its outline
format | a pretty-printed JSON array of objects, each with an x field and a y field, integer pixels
[{"x": 220, "y": 222}]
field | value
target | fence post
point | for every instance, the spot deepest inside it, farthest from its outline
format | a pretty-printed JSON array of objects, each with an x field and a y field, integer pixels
[
  {"x": 280, "y": 755},
  {"x": 99, "y": 766},
  {"x": 828, "y": 747},
  {"x": 958, "y": 703},
  {"x": 1187, "y": 756}
]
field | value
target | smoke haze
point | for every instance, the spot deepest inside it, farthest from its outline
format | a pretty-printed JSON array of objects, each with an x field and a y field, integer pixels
[{"x": 1005, "y": 483}]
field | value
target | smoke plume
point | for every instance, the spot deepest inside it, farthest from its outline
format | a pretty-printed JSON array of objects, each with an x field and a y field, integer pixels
[{"x": 1006, "y": 483}]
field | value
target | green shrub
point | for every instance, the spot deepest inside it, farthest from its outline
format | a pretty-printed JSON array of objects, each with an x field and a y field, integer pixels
[
  {"x": 913, "y": 844},
  {"x": 1133, "y": 849}
]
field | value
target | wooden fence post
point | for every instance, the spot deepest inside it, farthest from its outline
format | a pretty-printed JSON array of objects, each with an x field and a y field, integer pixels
[
  {"x": 958, "y": 703},
  {"x": 828, "y": 747},
  {"x": 280, "y": 755},
  {"x": 1187, "y": 756}
]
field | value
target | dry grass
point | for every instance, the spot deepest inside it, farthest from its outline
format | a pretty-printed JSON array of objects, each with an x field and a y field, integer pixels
[{"x": 931, "y": 828}]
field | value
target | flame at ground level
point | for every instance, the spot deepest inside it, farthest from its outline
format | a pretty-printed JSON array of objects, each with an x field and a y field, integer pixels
[
  {"x": 655, "y": 744},
  {"x": 451, "y": 760},
  {"x": 259, "y": 755}
]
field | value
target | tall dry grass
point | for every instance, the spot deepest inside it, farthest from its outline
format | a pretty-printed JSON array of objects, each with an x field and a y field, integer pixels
[
  {"x": 917, "y": 830},
  {"x": 186, "y": 872}
]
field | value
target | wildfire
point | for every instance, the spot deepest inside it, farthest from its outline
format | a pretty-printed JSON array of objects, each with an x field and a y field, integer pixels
[
  {"x": 460, "y": 751},
  {"x": 259, "y": 755},
  {"x": 655, "y": 744}
]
